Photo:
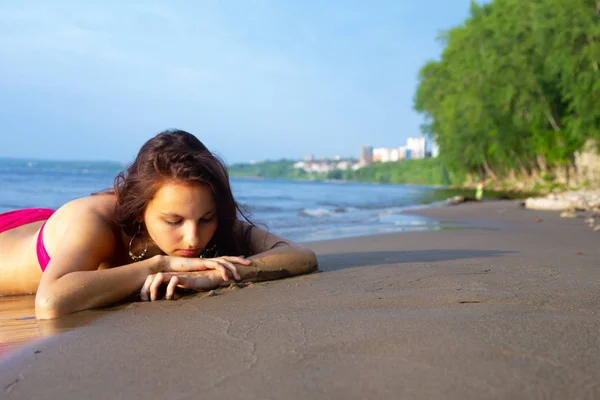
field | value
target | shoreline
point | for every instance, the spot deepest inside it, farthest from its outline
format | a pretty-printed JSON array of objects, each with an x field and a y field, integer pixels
[
  {"x": 18, "y": 326},
  {"x": 459, "y": 313},
  {"x": 465, "y": 187}
]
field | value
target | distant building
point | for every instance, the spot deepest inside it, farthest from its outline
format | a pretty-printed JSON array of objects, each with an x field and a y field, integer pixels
[
  {"x": 384, "y": 154},
  {"x": 314, "y": 166},
  {"x": 343, "y": 165},
  {"x": 380, "y": 154},
  {"x": 366, "y": 155},
  {"x": 309, "y": 158},
  {"x": 402, "y": 153},
  {"x": 416, "y": 147}
]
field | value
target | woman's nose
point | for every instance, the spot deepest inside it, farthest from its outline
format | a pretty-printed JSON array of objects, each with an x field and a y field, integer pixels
[{"x": 191, "y": 237}]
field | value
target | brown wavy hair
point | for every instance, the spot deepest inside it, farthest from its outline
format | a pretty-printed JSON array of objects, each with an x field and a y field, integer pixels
[{"x": 178, "y": 156}]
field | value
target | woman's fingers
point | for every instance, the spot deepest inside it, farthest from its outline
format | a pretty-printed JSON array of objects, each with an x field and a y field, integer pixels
[
  {"x": 173, "y": 282},
  {"x": 231, "y": 268},
  {"x": 149, "y": 291},
  {"x": 144, "y": 292},
  {"x": 226, "y": 265},
  {"x": 186, "y": 280},
  {"x": 218, "y": 266},
  {"x": 155, "y": 285},
  {"x": 237, "y": 260}
]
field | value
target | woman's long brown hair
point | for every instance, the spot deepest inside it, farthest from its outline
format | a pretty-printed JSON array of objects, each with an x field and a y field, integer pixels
[{"x": 178, "y": 156}]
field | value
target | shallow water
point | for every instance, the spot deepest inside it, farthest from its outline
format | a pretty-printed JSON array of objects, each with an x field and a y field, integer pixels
[
  {"x": 19, "y": 327},
  {"x": 18, "y": 324},
  {"x": 298, "y": 210}
]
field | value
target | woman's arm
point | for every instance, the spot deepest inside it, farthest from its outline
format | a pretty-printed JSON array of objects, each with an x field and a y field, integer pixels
[
  {"x": 72, "y": 281},
  {"x": 275, "y": 257}
]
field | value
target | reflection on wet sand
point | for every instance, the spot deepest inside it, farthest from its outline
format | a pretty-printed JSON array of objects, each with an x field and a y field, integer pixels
[{"x": 18, "y": 325}]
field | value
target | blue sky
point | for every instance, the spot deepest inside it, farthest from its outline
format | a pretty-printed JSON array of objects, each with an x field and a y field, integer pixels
[{"x": 252, "y": 79}]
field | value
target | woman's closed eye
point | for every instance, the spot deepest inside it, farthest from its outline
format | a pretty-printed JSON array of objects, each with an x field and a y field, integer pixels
[
  {"x": 204, "y": 220},
  {"x": 207, "y": 219}
]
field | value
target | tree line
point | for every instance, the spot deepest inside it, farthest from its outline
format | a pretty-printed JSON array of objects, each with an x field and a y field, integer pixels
[
  {"x": 516, "y": 90},
  {"x": 430, "y": 171}
]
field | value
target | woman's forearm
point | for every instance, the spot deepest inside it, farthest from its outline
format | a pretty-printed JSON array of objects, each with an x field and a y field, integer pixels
[
  {"x": 280, "y": 262},
  {"x": 82, "y": 290}
]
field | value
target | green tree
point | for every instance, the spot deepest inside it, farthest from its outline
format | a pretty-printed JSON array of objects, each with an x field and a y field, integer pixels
[{"x": 516, "y": 88}]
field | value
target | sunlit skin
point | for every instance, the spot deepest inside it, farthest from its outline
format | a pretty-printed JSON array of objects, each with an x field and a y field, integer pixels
[
  {"x": 90, "y": 265},
  {"x": 181, "y": 219}
]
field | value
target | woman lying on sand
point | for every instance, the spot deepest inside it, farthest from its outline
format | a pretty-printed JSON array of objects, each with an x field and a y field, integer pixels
[{"x": 170, "y": 220}]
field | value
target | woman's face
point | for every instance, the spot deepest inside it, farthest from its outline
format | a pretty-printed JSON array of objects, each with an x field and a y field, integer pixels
[{"x": 181, "y": 218}]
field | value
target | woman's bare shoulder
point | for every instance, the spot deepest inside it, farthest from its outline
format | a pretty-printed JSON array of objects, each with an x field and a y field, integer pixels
[
  {"x": 100, "y": 206},
  {"x": 81, "y": 235},
  {"x": 90, "y": 214}
]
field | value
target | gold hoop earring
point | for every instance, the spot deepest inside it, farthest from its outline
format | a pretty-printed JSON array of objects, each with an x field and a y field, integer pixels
[{"x": 138, "y": 257}]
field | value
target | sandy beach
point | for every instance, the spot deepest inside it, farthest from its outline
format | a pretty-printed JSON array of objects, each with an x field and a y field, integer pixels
[{"x": 503, "y": 304}]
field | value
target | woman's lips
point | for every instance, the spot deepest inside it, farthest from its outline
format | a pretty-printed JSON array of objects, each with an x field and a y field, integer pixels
[{"x": 189, "y": 253}]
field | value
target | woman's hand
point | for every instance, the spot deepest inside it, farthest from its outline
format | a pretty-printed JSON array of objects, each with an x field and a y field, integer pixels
[
  {"x": 201, "y": 280},
  {"x": 191, "y": 273},
  {"x": 224, "y": 265}
]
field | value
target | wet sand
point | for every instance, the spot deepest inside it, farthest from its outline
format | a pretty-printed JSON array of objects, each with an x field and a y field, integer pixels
[
  {"x": 508, "y": 307},
  {"x": 17, "y": 323}
]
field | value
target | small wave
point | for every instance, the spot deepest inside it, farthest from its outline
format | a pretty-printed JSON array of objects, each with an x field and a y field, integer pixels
[
  {"x": 366, "y": 207},
  {"x": 316, "y": 212},
  {"x": 321, "y": 211},
  {"x": 387, "y": 212}
]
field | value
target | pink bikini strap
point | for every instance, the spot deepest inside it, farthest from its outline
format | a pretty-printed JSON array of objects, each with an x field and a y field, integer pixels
[{"x": 42, "y": 254}]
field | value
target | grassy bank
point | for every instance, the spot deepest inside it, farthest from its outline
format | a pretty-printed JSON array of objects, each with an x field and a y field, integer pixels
[{"x": 417, "y": 172}]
